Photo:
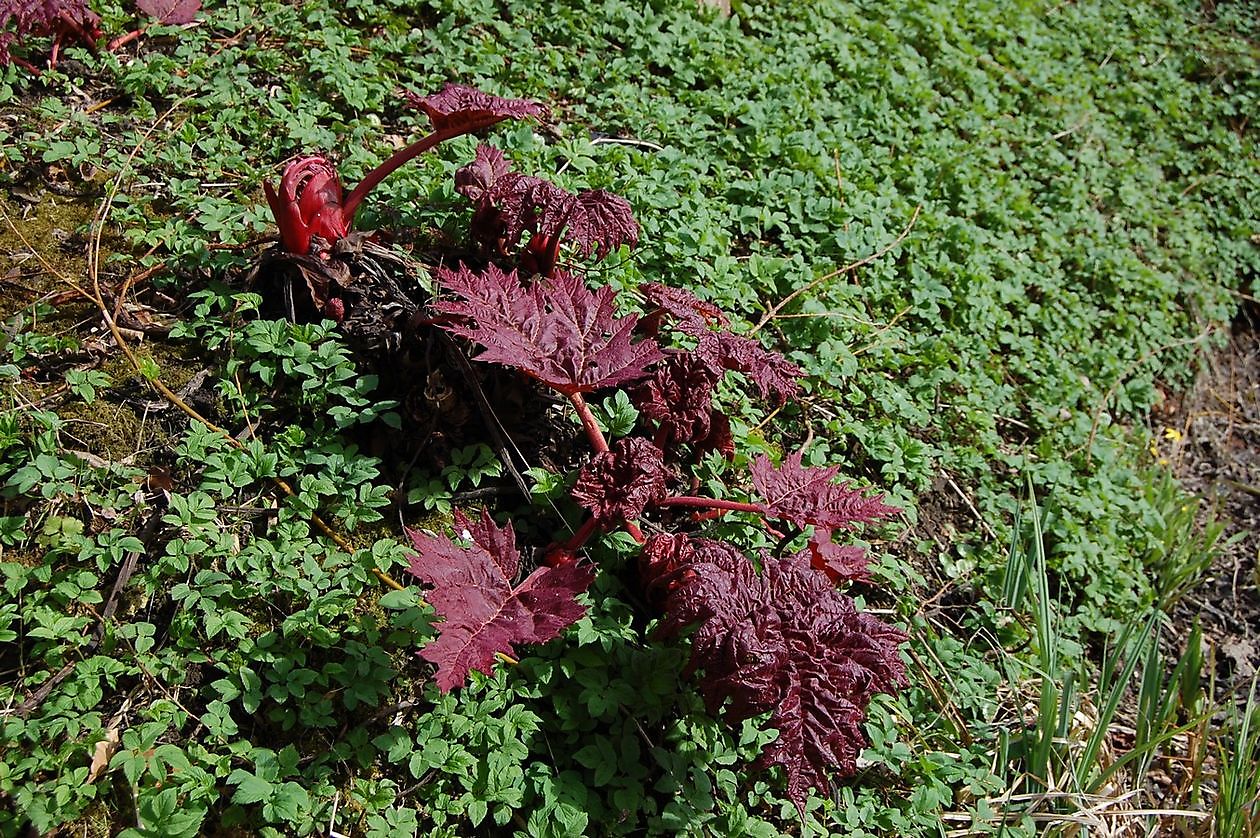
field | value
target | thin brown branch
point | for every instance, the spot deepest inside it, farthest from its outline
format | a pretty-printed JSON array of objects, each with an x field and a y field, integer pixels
[{"x": 852, "y": 266}]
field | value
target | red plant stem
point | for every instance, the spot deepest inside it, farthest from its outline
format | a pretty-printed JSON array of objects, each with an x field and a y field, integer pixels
[
  {"x": 33, "y": 70},
  {"x": 593, "y": 433},
  {"x": 713, "y": 503},
  {"x": 397, "y": 159},
  {"x": 404, "y": 155},
  {"x": 635, "y": 532},
  {"x": 123, "y": 40},
  {"x": 583, "y": 534}
]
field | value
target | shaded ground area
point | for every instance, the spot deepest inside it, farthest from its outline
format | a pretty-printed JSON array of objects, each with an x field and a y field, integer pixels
[{"x": 1218, "y": 458}]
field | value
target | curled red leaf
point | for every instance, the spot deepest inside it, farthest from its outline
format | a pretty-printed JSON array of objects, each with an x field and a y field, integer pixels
[
  {"x": 618, "y": 484},
  {"x": 840, "y": 562},
  {"x": 768, "y": 370},
  {"x": 678, "y": 397},
  {"x": 600, "y": 222},
  {"x": 459, "y": 108},
  {"x": 508, "y": 204},
  {"x": 782, "y": 641},
  {"x": 477, "y": 180},
  {"x": 692, "y": 315},
  {"x": 772, "y": 374},
  {"x": 484, "y": 614},
  {"x": 557, "y": 330}
]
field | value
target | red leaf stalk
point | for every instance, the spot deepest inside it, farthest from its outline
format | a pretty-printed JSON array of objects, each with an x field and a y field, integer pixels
[
  {"x": 714, "y": 503},
  {"x": 593, "y": 433},
  {"x": 397, "y": 159}
]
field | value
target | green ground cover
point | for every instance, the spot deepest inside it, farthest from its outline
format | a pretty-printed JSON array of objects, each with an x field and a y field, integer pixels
[{"x": 1061, "y": 202}]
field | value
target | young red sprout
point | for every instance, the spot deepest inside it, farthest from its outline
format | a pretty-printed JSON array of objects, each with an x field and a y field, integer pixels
[
  {"x": 507, "y": 204},
  {"x": 456, "y": 110},
  {"x": 307, "y": 204}
]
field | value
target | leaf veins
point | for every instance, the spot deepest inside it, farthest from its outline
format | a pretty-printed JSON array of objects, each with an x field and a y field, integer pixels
[
  {"x": 808, "y": 495},
  {"x": 556, "y": 330},
  {"x": 484, "y": 614},
  {"x": 460, "y": 109},
  {"x": 782, "y": 641}
]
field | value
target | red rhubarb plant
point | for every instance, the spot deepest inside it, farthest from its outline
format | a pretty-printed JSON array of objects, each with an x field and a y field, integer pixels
[{"x": 772, "y": 634}]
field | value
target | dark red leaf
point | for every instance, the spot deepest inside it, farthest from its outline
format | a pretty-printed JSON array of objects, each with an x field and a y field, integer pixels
[
  {"x": 618, "y": 484},
  {"x": 719, "y": 438},
  {"x": 600, "y": 222},
  {"x": 530, "y": 204},
  {"x": 782, "y": 641},
  {"x": 692, "y": 315},
  {"x": 595, "y": 222},
  {"x": 841, "y": 562},
  {"x": 484, "y": 614},
  {"x": 768, "y": 370},
  {"x": 678, "y": 396},
  {"x": 476, "y": 181},
  {"x": 171, "y": 12},
  {"x": 771, "y": 372},
  {"x": 808, "y": 495},
  {"x": 460, "y": 108},
  {"x": 556, "y": 330}
]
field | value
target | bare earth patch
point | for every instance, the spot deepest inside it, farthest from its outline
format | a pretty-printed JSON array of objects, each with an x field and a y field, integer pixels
[{"x": 1218, "y": 457}]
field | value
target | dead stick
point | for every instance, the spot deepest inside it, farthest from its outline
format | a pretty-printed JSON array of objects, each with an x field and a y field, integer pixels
[{"x": 852, "y": 266}]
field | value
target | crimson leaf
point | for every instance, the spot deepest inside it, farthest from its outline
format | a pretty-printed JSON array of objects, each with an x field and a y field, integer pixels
[
  {"x": 768, "y": 370},
  {"x": 461, "y": 109},
  {"x": 600, "y": 222},
  {"x": 171, "y": 12},
  {"x": 692, "y": 315},
  {"x": 509, "y": 204},
  {"x": 556, "y": 330},
  {"x": 841, "y": 562},
  {"x": 807, "y": 495},
  {"x": 484, "y": 614},
  {"x": 678, "y": 396},
  {"x": 476, "y": 181},
  {"x": 782, "y": 641},
  {"x": 617, "y": 485}
]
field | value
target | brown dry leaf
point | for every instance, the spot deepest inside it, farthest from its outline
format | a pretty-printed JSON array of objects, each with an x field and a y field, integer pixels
[
  {"x": 1244, "y": 654},
  {"x": 102, "y": 754},
  {"x": 160, "y": 480}
]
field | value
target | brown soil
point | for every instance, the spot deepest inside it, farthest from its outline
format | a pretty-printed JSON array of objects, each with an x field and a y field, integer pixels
[{"x": 1218, "y": 458}]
